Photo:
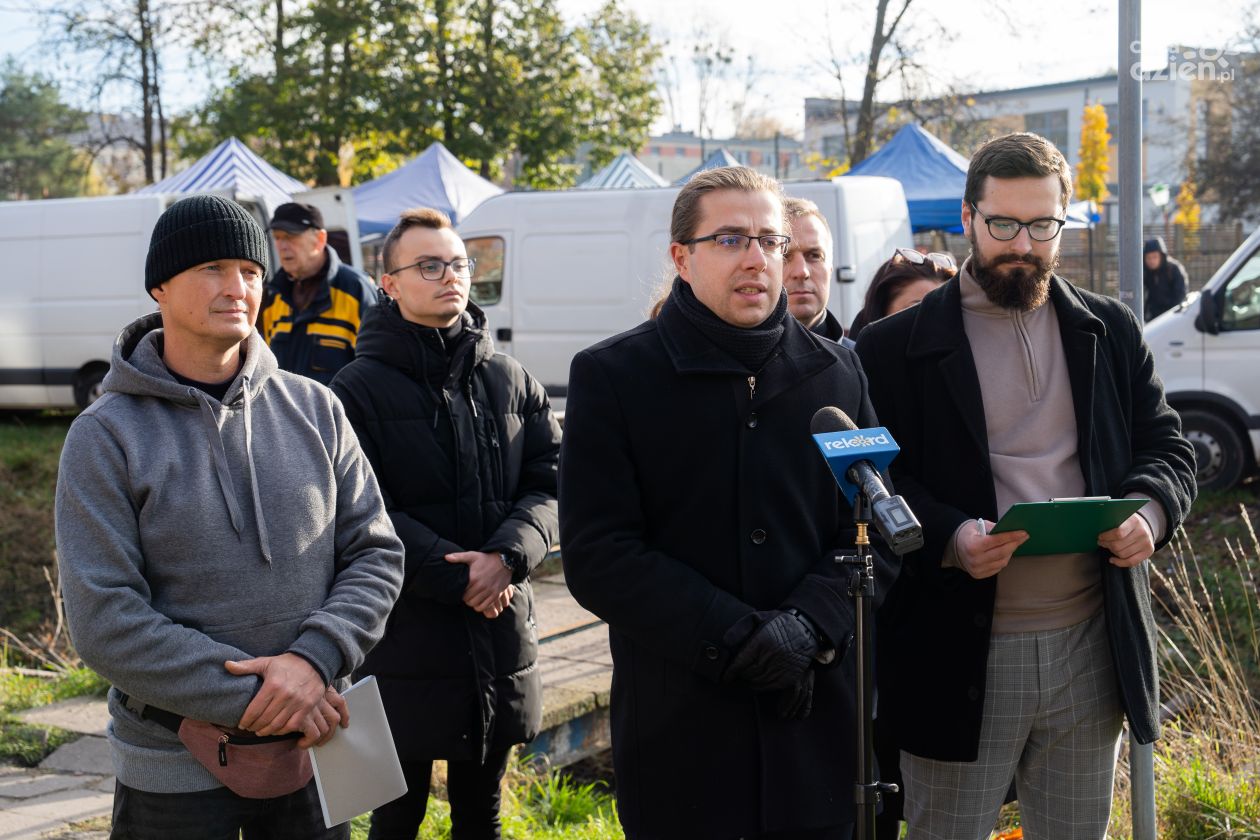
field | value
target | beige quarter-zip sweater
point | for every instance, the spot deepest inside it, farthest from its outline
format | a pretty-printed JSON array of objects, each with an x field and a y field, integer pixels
[{"x": 1028, "y": 412}]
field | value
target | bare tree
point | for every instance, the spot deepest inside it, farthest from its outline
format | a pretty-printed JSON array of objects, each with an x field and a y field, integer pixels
[
  {"x": 898, "y": 36},
  {"x": 669, "y": 83},
  {"x": 711, "y": 59},
  {"x": 743, "y": 101},
  {"x": 128, "y": 36},
  {"x": 885, "y": 30}
]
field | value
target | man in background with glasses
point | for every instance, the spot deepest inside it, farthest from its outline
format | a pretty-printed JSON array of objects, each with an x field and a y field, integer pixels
[
  {"x": 464, "y": 446},
  {"x": 314, "y": 304},
  {"x": 700, "y": 522},
  {"x": 1009, "y": 384}
]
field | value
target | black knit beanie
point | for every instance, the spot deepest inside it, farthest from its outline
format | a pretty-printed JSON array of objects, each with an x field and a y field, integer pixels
[{"x": 200, "y": 229}]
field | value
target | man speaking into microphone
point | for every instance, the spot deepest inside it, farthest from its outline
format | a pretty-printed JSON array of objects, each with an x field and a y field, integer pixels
[{"x": 698, "y": 520}]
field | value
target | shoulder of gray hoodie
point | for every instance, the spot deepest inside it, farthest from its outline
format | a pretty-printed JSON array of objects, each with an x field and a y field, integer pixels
[{"x": 191, "y": 532}]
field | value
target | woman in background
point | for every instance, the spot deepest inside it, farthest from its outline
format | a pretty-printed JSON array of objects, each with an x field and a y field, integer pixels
[{"x": 901, "y": 282}]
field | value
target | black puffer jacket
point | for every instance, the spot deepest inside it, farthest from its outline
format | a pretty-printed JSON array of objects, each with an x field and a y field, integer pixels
[{"x": 465, "y": 450}]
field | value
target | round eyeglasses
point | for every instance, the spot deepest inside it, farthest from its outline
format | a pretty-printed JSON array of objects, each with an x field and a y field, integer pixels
[
  {"x": 1003, "y": 229},
  {"x": 771, "y": 244},
  {"x": 431, "y": 268}
]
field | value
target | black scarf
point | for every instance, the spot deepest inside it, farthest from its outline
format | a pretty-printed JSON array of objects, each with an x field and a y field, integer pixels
[{"x": 750, "y": 346}]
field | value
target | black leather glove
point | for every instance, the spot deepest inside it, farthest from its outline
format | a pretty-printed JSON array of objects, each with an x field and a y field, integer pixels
[
  {"x": 776, "y": 655},
  {"x": 796, "y": 702}
]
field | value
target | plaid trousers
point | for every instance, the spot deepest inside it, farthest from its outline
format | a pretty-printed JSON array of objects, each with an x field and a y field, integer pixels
[{"x": 1052, "y": 719}]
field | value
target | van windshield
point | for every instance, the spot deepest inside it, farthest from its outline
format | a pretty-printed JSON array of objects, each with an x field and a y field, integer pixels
[{"x": 1241, "y": 304}]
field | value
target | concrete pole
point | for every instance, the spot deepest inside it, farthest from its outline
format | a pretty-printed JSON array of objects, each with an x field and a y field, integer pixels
[{"x": 1129, "y": 81}]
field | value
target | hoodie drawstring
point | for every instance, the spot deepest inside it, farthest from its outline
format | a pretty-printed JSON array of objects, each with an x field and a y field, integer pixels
[
  {"x": 264, "y": 539},
  {"x": 224, "y": 474},
  {"x": 220, "y": 457}
]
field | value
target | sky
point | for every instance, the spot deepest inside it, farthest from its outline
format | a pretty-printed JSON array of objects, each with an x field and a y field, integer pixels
[{"x": 992, "y": 45}]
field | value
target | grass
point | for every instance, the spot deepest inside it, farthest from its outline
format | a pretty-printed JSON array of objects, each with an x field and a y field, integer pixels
[
  {"x": 21, "y": 691},
  {"x": 29, "y": 449},
  {"x": 1207, "y": 765},
  {"x": 28, "y": 744},
  {"x": 536, "y": 805}
]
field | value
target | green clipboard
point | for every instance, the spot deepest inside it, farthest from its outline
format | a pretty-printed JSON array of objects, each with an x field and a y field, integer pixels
[{"x": 1065, "y": 526}]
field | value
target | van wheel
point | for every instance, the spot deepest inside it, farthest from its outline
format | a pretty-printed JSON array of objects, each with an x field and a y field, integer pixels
[
  {"x": 1218, "y": 449},
  {"x": 87, "y": 385}
]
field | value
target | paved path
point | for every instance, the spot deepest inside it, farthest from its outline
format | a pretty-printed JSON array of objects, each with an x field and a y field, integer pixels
[
  {"x": 73, "y": 785},
  {"x": 69, "y": 796}
]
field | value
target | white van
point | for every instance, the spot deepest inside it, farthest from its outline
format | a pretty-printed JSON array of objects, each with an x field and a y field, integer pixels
[
  {"x": 1207, "y": 351},
  {"x": 74, "y": 277},
  {"x": 558, "y": 271}
]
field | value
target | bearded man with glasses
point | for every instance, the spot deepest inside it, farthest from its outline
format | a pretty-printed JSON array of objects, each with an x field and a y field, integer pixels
[
  {"x": 699, "y": 521},
  {"x": 464, "y": 445},
  {"x": 1008, "y": 384}
]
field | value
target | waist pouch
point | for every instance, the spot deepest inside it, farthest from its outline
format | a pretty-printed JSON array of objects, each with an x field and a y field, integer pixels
[{"x": 252, "y": 766}]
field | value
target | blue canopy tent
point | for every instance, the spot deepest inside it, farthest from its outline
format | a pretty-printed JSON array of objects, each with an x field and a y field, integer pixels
[
  {"x": 232, "y": 166},
  {"x": 932, "y": 174},
  {"x": 625, "y": 171},
  {"x": 435, "y": 178},
  {"x": 718, "y": 159}
]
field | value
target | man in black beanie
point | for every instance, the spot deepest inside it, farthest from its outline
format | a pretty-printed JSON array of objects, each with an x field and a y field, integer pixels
[
  {"x": 732, "y": 704},
  {"x": 224, "y": 602}
]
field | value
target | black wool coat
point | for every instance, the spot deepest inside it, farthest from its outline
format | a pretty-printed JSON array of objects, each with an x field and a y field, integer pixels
[
  {"x": 935, "y": 629},
  {"x": 465, "y": 451},
  {"x": 692, "y": 495}
]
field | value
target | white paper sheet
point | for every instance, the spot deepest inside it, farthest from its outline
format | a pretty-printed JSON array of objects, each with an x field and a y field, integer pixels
[{"x": 358, "y": 769}]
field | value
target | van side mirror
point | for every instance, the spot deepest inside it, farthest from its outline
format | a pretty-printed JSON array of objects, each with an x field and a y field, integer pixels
[{"x": 1208, "y": 320}]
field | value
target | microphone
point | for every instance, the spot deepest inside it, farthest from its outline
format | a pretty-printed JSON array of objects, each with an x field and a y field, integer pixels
[{"x": 855, "y": 457}]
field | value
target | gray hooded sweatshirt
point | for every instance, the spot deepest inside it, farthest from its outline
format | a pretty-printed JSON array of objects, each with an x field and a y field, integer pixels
[{"x": 191, "y": 532}]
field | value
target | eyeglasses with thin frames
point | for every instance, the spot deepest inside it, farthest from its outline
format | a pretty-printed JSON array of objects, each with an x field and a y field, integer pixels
[
  {"x": 938, "y": 258},
  {"x": 771, "y": 244},
  {"x": 431, "y": 268},
  {"x": 1004, "y": 229}
]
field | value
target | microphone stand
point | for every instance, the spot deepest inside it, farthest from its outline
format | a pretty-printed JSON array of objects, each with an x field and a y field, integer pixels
[{"x": 866, "y": 789}]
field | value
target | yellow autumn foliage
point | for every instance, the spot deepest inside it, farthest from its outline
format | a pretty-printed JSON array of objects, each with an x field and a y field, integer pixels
[{"x": 1091, "y": 171}]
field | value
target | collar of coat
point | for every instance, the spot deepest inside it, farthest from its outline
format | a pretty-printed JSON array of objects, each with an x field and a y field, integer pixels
[
  {"x": 799, "y": 354},
  {"x": 418, "y": 350},
  {"x": 938, "y": 325}
]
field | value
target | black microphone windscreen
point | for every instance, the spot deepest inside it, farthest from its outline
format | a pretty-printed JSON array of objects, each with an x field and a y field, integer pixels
[{"x": 830, "y": 419}]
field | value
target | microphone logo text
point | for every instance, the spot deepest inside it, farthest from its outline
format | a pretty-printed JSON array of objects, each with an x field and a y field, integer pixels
[{"x": 858, "y": 441}]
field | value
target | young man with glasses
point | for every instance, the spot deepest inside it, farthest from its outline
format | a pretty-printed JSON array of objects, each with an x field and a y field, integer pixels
[
  {"x": 464, "y": 445},
  {"x": 699, "y": 520},
  {"x": 1008, "y": 384},
  {"x": 314, "y": 303}
]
